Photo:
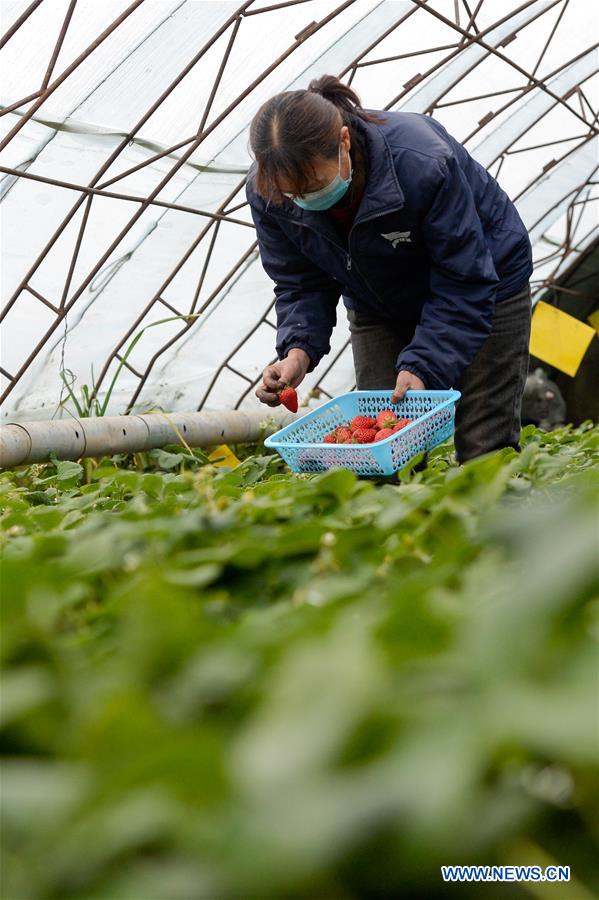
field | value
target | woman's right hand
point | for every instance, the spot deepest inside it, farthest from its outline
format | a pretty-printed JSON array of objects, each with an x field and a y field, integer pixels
[{"x": 290, "y": 370}]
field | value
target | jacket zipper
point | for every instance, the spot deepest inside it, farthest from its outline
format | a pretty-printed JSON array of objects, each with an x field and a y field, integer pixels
[{"x": 348, "y": 263}]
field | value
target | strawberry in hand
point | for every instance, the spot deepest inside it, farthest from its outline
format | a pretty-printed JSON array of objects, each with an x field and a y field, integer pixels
[{"x": 288, "y": 398}]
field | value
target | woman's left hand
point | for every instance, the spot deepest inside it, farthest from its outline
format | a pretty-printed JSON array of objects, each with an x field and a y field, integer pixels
[{"x": 404, "y": 381}]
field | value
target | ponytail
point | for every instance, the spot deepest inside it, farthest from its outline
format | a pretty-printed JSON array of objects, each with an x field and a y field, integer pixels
[{"x": 343, "y": 97}]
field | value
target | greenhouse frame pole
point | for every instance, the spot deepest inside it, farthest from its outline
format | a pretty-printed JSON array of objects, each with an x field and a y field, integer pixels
[{"x": 74, "y": 438}]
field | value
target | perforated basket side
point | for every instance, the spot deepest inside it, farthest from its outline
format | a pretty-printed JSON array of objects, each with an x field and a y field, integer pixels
[
  {"x": 413, "y": 405},
  {"x": 421, "y": 436},
  {"x": 363, "y": 460}
]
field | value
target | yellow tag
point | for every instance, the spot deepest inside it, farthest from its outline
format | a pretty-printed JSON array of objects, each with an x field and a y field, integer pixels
[
  {"x": 594, "y": 319},
  {"x": 558, "y": 338},
  {"x": 223, "y": 456}
]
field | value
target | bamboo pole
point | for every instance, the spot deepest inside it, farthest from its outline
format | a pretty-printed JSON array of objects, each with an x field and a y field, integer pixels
[{"x": 28, "y": 442}]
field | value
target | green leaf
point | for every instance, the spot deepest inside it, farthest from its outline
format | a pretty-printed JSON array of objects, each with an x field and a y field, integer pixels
[
  {"x": 68, "y": 471},
  {"x": 165, "y": 459}
]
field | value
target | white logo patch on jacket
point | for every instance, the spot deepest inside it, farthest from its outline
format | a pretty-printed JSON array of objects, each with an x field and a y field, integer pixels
[{"x": 396, "y": 236}]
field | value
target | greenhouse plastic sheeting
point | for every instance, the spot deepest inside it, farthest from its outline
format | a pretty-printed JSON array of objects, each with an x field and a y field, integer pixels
[{"x": 171, "y": 70}]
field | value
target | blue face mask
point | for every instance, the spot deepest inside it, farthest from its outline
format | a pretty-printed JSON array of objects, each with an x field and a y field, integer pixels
[{"x": 326, "y": 196}]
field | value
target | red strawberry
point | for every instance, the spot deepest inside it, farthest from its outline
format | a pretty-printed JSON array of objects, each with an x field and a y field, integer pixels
[
  {"x": 330, "y": 438},
  {"x": 386, "y": 419},
  {"x": 383, "y": 433},
  {"x": 288, "y": 398},
  {"x": 343, "y": 433},
  {"x": 362, "y": 422},
  {"x": 402, "y": 424},
  {"x": 364, "y": 435}
]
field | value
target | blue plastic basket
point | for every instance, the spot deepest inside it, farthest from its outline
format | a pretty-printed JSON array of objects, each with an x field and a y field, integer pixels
[{"x": 301, "y": 443}]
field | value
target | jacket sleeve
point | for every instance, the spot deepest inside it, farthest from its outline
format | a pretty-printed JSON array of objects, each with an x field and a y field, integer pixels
[
  {"x": 306, "y": 296},
  {"x": 458, "y": 315}
]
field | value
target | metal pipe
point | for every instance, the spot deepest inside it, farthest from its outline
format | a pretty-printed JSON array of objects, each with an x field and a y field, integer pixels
[{"x": 28, "y": 442}]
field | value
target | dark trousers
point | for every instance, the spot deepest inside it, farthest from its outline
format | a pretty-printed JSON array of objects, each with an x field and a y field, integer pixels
[{"x": 488, "y": 412}]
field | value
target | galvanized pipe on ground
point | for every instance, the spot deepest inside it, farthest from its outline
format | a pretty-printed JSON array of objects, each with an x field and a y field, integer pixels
[{"x": 74, "y": 438}]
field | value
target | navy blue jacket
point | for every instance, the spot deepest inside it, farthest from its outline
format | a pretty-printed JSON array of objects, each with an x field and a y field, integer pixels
[{"x": 436, "y": 241}]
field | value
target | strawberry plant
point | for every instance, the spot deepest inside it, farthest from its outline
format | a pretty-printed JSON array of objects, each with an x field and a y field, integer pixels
[{"x": 240, "y": 682}]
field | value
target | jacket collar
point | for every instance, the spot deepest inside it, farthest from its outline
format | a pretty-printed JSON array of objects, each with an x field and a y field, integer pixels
[{"x": 382, "y": 192}]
